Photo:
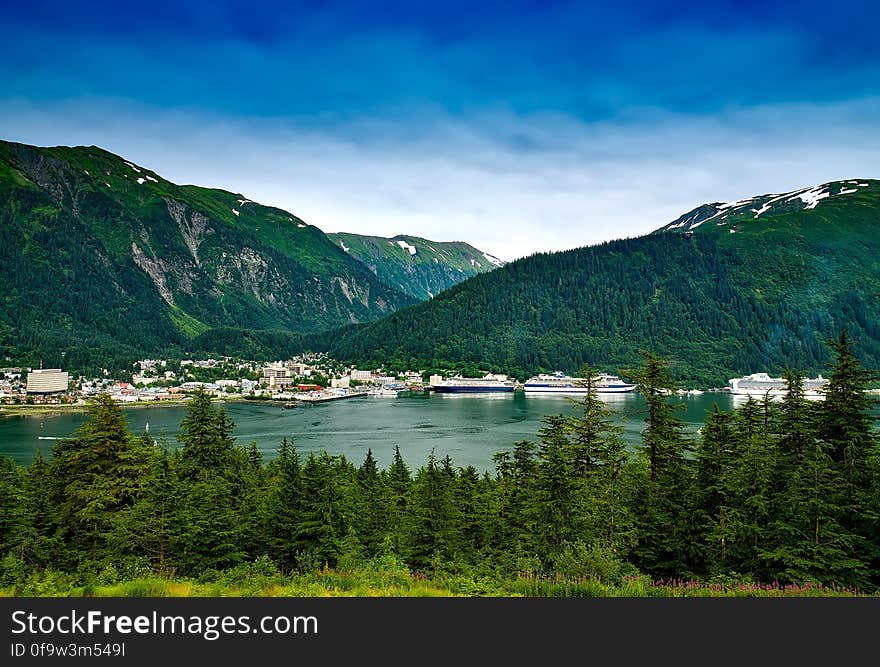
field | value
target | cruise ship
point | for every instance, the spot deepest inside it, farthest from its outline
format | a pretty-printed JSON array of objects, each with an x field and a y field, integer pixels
[
  {"x": 491, "y": 383},
  {"x": 559, "y": 383},
  {"x": 761, "y": 384}
]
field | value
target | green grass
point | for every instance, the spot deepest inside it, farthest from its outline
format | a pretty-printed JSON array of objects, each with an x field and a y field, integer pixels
[{"x": 396, "y": 583}]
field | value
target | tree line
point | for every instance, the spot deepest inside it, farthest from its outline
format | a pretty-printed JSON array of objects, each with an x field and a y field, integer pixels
[{"x": 785, "y": 491}]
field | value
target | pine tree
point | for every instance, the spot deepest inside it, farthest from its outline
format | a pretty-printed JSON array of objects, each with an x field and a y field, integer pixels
[
  {"x": 846, "y": 425},
  {"x": 327, "y": 511},
  {"x": 590, "y": 428},
  {"x": 11, "y": 501},
  {"x": 433, "y": 517},
  {"x": 663, "y": 547},
  {"x": 470, "y": 514},
  {"x": 748, "y": 488},
  {"x": 845, "y": 420},
  {"x": 147, "y": 528},
  {"x": 555, "y": 487},
  {"x": 398, "y": 487},
  {"x": 712, "y": 459},
  {"x": 208, "y": 445},
  {"x": 209, "y": 516},
  {"x": 285, "y": 506},
  {"x": 373, "y": 508},
  {"x": 38, "y": 542},
  {"x": 96, "y": 474}
]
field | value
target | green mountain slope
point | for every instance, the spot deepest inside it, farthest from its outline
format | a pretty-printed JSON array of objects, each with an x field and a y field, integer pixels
[
  {"x": 417, "y": 266},
  {"x": 103, "y": 259},
  {"x": 719, "y": 304}
]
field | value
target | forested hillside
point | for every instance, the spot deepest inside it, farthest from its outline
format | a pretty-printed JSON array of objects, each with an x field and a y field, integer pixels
[
  {"x": 717, "y": 303},
  {"x": 104, "y": 260},
  {"x": 417, "y": 266}
]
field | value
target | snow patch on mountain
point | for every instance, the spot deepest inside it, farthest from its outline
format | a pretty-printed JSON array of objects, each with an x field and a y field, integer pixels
[
  {"x": 406, "y": 246},
  {"x": 813, "y": 196}
]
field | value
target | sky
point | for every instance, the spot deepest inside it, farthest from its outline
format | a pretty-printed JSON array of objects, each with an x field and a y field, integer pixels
[{"x": 515, "y": 126}]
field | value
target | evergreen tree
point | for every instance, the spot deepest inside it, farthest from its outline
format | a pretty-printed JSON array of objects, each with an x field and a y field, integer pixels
[
  {"x": 846, "y": 424},
  {"x": 590, "y": 428},
  {"x": 713, "y": 457},
  {"x": 147, "y": 528},
  {"x": 96, "y": 474},
  {"x": 38, "y": 542},
  {"x": 398, "y": 487},
  {"x": 555, "y": 488},
  {"x": 664, "y": 547},
  {"x": 209, "y": 514},
  {"x": 208, "y": 445},
  {"x": 433, "y": 517},
  {"x": 812, "y": 544},
  {"x": 327, "y": 511},
  {"x": 11, "y": 501},
  {"x": 285, "y": 506},
  {"x": 748, "y": 488},
  {"x": 373, "y": 507}
]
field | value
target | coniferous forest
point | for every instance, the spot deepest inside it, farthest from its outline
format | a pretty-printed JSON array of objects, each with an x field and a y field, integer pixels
[{"x": 774, "y": 496}]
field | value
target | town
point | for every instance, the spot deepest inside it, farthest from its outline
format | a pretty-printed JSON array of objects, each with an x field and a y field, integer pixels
[{"x": 307, "y": 378}]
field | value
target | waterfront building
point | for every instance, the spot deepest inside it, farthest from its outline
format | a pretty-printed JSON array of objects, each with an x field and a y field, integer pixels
[{"x": 47, "y": 381}]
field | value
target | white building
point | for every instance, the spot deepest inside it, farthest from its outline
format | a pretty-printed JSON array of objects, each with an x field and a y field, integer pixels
[
  {"x": 47, "y": 381},
  {"x": 361, "y": 375}
]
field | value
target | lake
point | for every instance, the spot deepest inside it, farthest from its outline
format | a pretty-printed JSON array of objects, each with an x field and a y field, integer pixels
[{"x": 470, "y": 428}]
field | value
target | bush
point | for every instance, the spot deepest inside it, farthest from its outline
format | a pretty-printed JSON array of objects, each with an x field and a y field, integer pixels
[{"x": 591, "y": 560}]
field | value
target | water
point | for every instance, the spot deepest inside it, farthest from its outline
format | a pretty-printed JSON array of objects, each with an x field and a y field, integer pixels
[{"x": 469, "y": 428}]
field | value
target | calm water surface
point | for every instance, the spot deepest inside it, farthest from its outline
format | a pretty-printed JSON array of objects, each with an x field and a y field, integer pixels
[{"x": 470, "y": 428}]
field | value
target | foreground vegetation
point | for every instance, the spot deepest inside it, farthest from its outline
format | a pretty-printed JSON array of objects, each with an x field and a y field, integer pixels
[
  {"x": 392, "y": 579},
  {"x": 772, "y": 499}
]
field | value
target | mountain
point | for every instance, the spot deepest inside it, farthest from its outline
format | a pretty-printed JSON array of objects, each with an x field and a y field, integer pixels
[
  {"x": 730, "y": 215},
  {"x": 417, "y": 266},
  {"x": 796, "y": 269},
  {"x": 104, "y": 259}
]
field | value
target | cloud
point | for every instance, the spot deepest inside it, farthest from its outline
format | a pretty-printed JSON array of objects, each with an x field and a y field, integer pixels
[{"x": 511, "y": 184}]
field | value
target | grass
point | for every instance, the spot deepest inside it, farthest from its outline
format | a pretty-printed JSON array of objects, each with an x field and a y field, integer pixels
[{"x": 397, "y": 583}]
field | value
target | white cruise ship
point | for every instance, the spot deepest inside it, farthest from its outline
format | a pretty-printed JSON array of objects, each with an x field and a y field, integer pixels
[
  {"x": 491, "y": 383},
  {"x": 761, "y": 384},
  {"x": 559, "y": 383}
]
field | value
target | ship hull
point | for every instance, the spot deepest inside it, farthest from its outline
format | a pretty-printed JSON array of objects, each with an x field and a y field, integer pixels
[{"x": 578, "y": 391}]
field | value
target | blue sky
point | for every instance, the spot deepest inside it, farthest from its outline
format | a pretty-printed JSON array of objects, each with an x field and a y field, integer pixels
[{"x": 517, "y": 126}]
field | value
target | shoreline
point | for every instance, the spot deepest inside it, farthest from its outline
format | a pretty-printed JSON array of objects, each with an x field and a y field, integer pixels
[{"x": 65, "y": 408}]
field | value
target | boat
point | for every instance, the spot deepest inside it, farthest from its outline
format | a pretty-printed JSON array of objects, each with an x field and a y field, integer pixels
[
  {"x": 390, "y": 390},
  {"x": 560, "y": 383},
  {"x": 490, "y": 383},
  {"x": 761, "y": 384}
]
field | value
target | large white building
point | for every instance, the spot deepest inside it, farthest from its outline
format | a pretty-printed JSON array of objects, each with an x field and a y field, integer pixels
[
  {"x": 277, "y": 374},
  {"x": 47, "y": 381}
]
